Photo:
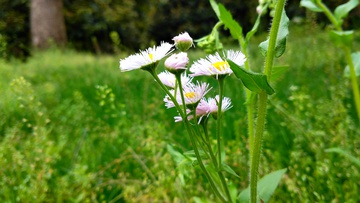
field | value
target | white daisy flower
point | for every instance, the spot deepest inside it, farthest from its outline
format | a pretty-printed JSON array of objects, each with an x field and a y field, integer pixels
[
  {"x": 169, "y": 79},
  {"x": 193, "y": 93},
  {"x": 215, "y": 65},
  {"x": 146, "y": 59}
]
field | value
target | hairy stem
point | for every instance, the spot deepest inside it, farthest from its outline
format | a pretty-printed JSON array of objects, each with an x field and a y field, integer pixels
[
  {"x": 249, "y": 102},
  {"x": 263, "y": 97}
]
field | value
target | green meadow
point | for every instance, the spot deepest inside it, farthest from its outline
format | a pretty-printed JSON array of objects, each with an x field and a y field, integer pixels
[{"x": 73, "y": 128}]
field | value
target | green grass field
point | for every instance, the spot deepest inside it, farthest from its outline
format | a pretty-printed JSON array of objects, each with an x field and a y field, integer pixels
[{"x": 73, "y": 128}]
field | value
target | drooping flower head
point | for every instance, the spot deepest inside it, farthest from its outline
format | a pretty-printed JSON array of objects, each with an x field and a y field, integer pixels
[
  {"x": 217, "y": 66},
  {"x": 208, "y": 107},
  {"x": 193, "y": 93},
  {"x": 169, "y": 79},
  {"x": 202, "y": 110},
  {"x": 183, "y": 41},
  {"x": 147, "y": 59},
  {"x": 177, "y": 63},
  {"x": 213, "y": 105}
]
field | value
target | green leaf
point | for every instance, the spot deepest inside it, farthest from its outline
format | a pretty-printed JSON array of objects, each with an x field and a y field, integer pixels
[
  {"x": 201, "y": 200},
  {"x": 356, "y": 60},
  {"x": 345, "y": 154},
  {"x": 228, "y": 169},
  {"x": 309, "y": 4},
  {"x": 215, "y": 7},
  {"x": 183, "y": 162},
  {"x": 278, "y": 71},
  {"x": 191, "y": 154},
  {"x": 254, "y": 28},
  {"x": 342, "y": 37},
  {"x": 255, "y": 82},
  {"x": 343, "y": 10},
  {"x": 266, "y": 187},
  {"x": 177, "y": 156},
  {"x": 281, "y": 38},
  {"x": 229, "y": 22}
]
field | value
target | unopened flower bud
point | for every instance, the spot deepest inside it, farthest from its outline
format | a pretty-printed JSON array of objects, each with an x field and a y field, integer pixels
[
  {"x": 177, "y": 63},
  {"x": 183, "y": 41}
]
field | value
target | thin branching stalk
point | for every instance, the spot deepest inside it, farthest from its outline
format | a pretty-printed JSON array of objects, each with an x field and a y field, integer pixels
[
  {"x": 218, "y": 120},
  {"x": 218, "y": 136},
  {"x": 196, "y": 150}
]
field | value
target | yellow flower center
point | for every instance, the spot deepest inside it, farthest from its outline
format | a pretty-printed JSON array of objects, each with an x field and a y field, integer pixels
[
  {"x": 151, "y": 56},
  {"x": 220, "y": 65},
  {"x": 190, "y": 95}
]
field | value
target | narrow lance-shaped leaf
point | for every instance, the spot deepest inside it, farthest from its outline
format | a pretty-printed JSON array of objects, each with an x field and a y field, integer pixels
[
  {"x": 281, "y": 38},
  {"x": 215, "y": 7},
  {"x": 278, "y": 71},
  {"x": 255, "y": 82},
  {"x": 254, "y": 28},
  {"x": 343, "y": 10},
  {"x": 228, "y": 169},
  {"x": 309, "y": 4},
  {"x": 345, "y": 154},
  {"x": 229, "y": 22},
  {"x": 266, "y": 187}
]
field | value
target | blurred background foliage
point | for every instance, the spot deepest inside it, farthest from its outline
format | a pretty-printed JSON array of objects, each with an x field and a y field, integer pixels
[
  {"x": 110, "y": 26},
  {"x": 73, "y": 128}
]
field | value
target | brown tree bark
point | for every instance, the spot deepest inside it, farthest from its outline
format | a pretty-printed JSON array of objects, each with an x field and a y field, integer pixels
[{"x": 47, "y": 23}]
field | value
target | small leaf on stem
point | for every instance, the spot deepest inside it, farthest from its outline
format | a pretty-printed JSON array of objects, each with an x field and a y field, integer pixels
[
  {"x": 343, "y": 10},
  {"x": 281, "y": 38},
  {"x": 309, "y": 4},
  {"x": 266, "y": 187},
  {"x": 340, "y": 38},
  {"x": 255, "y": 82},
  {"x": 229, "y": 22}
]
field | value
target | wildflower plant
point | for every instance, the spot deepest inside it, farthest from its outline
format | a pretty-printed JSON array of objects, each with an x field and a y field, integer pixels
[
  {"x": 341, "y": 38},
  {"x": 190, "y": 97},
  {"x": 344, "y": 40}
]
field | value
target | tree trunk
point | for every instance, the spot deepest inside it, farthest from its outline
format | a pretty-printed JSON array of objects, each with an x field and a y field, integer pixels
[{"x": 47, "y": 23}]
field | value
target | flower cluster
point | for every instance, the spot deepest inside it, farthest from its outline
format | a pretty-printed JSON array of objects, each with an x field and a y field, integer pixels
[{"x": 180, "y": 88}]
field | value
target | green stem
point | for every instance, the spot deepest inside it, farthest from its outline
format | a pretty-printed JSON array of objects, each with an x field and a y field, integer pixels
[
  {"x": 354, "y": 82},
  {"x": 218, "y": 120},
  {"x": 328, "y": 13},
  {"x": 249, "y": 102},
  {"x": 256, "y": 151},
  {"x": 193, "y": 142},
  {"x": 260, "y": 122},
  {"x": 213, "y": 159},
  {"x": 178, "y": 78},
  {"x": 157, "y": 79},
  {"x": 218, "y": 136},
  {"x": 349, "y": 60}
]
